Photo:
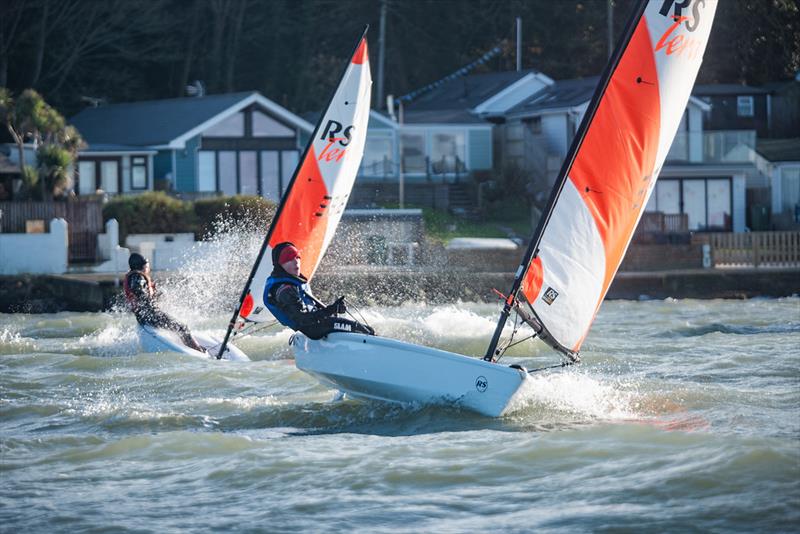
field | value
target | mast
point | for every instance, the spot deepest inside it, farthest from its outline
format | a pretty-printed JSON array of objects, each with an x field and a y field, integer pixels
[
  {"x": 279, "y": 211},
  {"x": 533, "y": 247}
]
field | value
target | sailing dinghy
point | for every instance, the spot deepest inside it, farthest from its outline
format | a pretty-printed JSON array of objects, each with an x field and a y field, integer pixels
[
  {"x": 315, "y": 198},
  {"x": 594, "y": 207}
]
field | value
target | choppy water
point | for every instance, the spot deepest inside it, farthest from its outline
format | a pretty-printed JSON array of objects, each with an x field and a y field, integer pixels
[{"x": 684, "y": 416}]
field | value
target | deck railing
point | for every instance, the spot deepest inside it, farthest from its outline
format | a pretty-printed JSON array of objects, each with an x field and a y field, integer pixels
[{"x": 753, "y": 249}]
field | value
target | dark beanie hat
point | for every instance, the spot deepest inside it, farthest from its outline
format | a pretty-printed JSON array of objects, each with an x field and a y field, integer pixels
[{"x": 136, "y": 261}]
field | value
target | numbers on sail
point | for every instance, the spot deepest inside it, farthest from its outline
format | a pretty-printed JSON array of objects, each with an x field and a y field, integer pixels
[{"x": 332, "y": 205}]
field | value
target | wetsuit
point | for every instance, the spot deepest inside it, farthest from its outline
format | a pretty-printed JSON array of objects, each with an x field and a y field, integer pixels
[
  {"x": 290, "y": 301},
  {"x": 140, "y": 293}
]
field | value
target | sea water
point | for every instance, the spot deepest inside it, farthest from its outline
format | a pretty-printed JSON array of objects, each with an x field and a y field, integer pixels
[{"x": 684, "y": 416}]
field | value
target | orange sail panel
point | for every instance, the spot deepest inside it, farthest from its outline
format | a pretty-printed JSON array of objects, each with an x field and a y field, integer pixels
[
  {"x": 315, "y": 199},
  {"x": 615, "y": 168}
]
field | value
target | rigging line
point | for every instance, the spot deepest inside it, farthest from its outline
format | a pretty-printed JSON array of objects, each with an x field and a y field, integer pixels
[
  {"x": 248, "y": 331},
  {"x": 359, "y": 314},
  {"x": 559, "y": 366}
]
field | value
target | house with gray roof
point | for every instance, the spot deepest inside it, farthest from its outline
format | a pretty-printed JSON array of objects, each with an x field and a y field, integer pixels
[
  {"x": 439, "y": 135},
  {"x": 703, "y": 182},
  {"x": 236, "y": 143}
]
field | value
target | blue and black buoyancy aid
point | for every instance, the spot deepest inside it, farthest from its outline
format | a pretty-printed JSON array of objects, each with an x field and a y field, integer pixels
[{"x": 309, "y": 303}]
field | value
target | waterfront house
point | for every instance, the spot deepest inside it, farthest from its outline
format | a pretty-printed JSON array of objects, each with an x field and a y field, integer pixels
[
  {"x": 439, "y": 136},
  {"x": 230, "y": 143},
  {"x": 702, "y": 185}
]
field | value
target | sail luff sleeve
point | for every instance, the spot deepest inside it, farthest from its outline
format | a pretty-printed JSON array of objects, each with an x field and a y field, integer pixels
[{"x": 315, "y": 197}]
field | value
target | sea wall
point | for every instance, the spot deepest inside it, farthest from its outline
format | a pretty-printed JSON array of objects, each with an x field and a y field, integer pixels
[{"x": 375, "y": 286}]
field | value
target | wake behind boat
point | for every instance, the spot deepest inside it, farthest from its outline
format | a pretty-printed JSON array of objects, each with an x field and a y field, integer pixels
[{"x": 153, "y": 339}]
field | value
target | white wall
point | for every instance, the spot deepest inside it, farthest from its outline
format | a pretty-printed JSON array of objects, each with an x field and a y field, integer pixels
[{"x": 36, "y": 253}]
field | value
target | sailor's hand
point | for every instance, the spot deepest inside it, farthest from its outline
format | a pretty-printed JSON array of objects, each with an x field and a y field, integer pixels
[{"x": 340, "y": 305}]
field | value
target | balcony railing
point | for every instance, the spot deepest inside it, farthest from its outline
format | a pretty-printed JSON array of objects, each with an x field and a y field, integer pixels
[{"x": 717, "y": 146}]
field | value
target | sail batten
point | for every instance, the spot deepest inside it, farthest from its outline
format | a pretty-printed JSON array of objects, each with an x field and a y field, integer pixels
[
  {"x": 611, "y": 169},
  {"x": 316, "y": 196}
]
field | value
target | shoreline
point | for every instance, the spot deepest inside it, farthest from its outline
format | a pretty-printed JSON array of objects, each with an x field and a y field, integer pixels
[{"x": 382, "y": 286}]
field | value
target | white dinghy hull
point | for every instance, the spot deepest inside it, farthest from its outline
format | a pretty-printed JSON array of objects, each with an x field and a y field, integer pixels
[
  {"x": 373, "y": 367},
  {"x": 162, "y": 340}
]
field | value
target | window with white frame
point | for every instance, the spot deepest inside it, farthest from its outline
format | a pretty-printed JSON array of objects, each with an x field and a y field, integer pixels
[
  {"x": 87, "y": 179},
  {"x": 232, "y": 126},
  {"x": 109, "y": 176},
  {"x": 207, "y": 171},
  {"x": 744, "y": 106},
  {"x": 413, "y": 156},
  {"x": 378, "y": 157},
  {"x": 138, "y": 172},
  {"x": 448, "y": 152}
]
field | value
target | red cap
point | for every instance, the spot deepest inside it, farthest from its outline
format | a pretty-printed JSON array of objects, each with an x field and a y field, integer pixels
[{"x": 288, "y": 254}]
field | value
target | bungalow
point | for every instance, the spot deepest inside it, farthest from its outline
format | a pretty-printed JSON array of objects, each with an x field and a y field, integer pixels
[{"x": 229, "y": 143}]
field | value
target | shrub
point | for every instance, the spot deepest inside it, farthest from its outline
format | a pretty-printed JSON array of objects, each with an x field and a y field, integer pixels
[
  {"x": 253, "y": 211},
  {"x": 150, "y": 213}
]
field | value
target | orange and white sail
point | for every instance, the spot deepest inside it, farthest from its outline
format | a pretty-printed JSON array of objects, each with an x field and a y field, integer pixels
[
  {"x": 618, "y": 153},
  {"x": 314, "y": 201}
]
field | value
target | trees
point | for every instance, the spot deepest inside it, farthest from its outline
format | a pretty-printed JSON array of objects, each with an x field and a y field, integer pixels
[{"x": 30, "y": 118}]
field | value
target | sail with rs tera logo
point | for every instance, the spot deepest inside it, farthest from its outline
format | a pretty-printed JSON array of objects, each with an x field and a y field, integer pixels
[
  {"x": 610, "y": 172},
  {"x": 314, "y": 200}
]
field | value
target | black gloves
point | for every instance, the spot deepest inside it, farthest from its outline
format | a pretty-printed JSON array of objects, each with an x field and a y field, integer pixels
[{"x": 339, "y": 306}]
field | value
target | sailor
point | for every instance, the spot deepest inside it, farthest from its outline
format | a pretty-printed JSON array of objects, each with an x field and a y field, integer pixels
[
  {"x": 289, "y": 298},
  {"x": 140, "y": 292}
]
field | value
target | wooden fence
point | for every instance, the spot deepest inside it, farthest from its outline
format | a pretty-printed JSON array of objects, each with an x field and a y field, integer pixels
[
  {"x": 753, "y": 249},
  {"x": 84, "y": 218}
]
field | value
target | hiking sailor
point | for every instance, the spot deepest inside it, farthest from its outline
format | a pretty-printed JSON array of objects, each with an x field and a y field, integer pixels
[
  {"x": 289, "y": 298},
  {"x": 140, "y": 292}
]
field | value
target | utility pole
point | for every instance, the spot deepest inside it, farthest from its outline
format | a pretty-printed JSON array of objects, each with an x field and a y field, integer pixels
[
  {"x": 610, "y": 20},
  {"x": 381, "y": 49},
  {"x": 519, "y": 43}
]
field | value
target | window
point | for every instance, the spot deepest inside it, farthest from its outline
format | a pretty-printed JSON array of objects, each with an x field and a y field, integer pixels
[
  {"x": 109, "y": 176},
  {"x": 706, "y": 202},
  {"x": 270, "y": 182},
  {"x": 248, "y": 173},
  {"x": 289, "y": 161},
  {"x": 744, "y": 106},
  {"x": 266, "y": 126},
  {"x": 790, "y": 189},
  {"x": 448, "y": 153},
  {"x": 413, "y": 157},
  {"x": 377, "y": 160},
  {"x": 87, "y": 184},
  {"x": 668, "y": 196},
  {"x": 694, "y": 203},
  {"x": 207, "y": 171},
  {"x": 719, "y": 205},
  {"x": 233, "y": 126},
  {"x": 138, "y": 173},
  {"x": 534, "y": 125},
  {"x": 227, "y": 172}
]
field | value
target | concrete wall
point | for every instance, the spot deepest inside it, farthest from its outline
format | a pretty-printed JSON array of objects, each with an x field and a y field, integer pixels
[{"x": 36, "y": 253}]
